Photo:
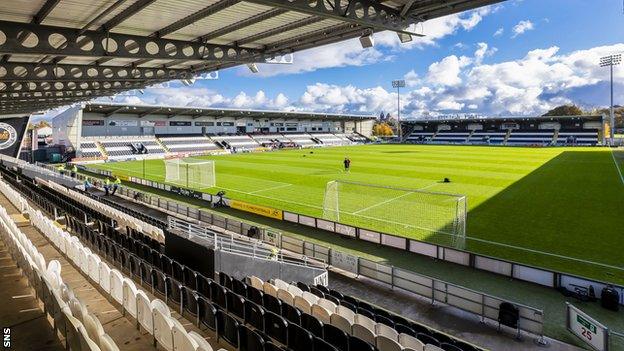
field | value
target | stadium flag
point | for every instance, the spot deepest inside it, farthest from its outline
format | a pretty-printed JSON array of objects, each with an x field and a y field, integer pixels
[{"x": 257, "y": 209}]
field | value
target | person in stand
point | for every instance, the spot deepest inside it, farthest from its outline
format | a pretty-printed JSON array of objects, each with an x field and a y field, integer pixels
[
  {"x": 107, "y": 185},
  {"x": 116, "y": 184},
  {"x": 61, "y": 168},
  {"x": 87, "y": 184},
  {"x": 74, "y": 171},
  {"x": 347, "y": 164}
]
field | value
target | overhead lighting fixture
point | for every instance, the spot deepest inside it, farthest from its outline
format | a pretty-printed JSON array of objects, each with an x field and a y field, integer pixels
[
  {"x": 404, "y": 37},
  {"x": 253, "y": 67},
  {"x": 188, "y": 82},
  {"x": 366, "y": 40}
]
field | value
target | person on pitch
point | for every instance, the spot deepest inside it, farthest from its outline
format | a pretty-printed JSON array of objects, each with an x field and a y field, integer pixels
[{"x": 347, "y": 164}]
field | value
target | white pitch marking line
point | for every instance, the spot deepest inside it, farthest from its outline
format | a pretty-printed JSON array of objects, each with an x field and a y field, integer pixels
[
  {"x": 271, "y": 188},
  {"x": 29, "y": 310},
  {"x": 21, "y": 296},
  {"x": 617, "y": 167},
  {"x": 392, "y": 199}
]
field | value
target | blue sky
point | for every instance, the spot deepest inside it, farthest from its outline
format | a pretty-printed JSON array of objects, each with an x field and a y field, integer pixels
[{"x": 520, "y": 57}]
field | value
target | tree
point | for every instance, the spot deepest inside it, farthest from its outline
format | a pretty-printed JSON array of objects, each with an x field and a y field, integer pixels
[
  {"x": 564, "y": 110},
  {"x": 382, "y": 129},
  {"x": 618, "y": 113}
]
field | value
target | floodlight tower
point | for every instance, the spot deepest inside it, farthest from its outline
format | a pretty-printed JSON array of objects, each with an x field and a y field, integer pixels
[
  {"x": 611, "y": 60},
  {"x": 398, "y": 84}
]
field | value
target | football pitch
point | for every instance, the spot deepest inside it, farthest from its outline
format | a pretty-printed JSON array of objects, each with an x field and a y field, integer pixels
[{"x": 558, "y": 208}]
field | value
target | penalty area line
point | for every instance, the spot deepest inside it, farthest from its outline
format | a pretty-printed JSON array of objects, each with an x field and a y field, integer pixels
[
  {"x": 617, "y": 166},
  {"x": 271, "y": 188}
]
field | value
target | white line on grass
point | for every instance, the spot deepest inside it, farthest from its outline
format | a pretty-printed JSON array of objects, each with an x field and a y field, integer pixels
[
  {"x": 271, "y": 188},
  {"x": 617, "y": 166},
  {"x": 428, "y": 229}
]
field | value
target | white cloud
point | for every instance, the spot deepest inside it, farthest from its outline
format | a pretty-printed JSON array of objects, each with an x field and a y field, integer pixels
[
  {"x": 522, "y": 27},
  {"x": 499, "y": 32},
  {"x": 483, "y": 51},
  {"x": 446, "y": 72},
  {"x": 351, "y": 53},
  {"x": 411, "y": 78},
  {"x": 530, "y": 85}
]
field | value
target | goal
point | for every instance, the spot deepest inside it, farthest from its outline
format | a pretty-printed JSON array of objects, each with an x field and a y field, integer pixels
[
  {"x": 190, "y": 173},
  {"x": 413, "y": 213}
]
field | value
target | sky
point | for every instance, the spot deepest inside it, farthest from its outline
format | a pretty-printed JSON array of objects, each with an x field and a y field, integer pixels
[{"x": 519, "y": 57}]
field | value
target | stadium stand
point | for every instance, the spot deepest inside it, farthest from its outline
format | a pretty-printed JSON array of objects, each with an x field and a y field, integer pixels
[
  {"x": 249, "y": 314},
  {"x": 344, "y": 321},
  {"x": 575, "y": 137},
  {"x": 121, "y": 147},
  {"x": 451, "y": 137},
  {"x": 542, "y": 131},
  {"x": 89, "y": 149},
  {"x": 187, "y": 144},
  {"x": 530, "y": 137},
  {"x": 239, "y": 142},
  {"x": 487, "y": 138},
  {"x": 419, "y": 137},
  {"x": 303, "y": 140},
  {"x": 330, "y": 139}
]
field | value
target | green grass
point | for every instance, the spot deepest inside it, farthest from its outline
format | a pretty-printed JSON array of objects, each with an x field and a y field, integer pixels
[{"x": 550, "y": 207}]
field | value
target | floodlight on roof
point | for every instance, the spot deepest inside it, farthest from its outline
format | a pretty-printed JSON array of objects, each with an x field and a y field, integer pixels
[
  {"x": 188, "y": 81},
  {"x": 404, "y": 37},
  {"x": 253, "y": 67},
  {"x": 367, "y": 40}
]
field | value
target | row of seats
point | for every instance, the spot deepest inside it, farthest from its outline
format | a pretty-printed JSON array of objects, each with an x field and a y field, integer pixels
[
  {"x": 176, "y": 288},
  {"x": 122, "y": 218},
  {"x": 356, "y": 318},
  {"x": 516, "y": 137},
  {"x": 89, "y": 149},
  {"x": 153, "y": 315},
  {"x": 160, "y": 224},
  {"x": 81, "y": 329}
]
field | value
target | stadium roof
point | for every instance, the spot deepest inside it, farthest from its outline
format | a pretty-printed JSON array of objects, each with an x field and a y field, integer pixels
[
  {"x": 58, "y": 52},
  {"x": 196, "y": 112},
  {"x": 502, "y": 119}
]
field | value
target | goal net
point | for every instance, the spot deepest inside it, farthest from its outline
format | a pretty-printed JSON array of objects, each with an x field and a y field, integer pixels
[
  {"x": 412, "y": 213},
  {"x": 190, "y": 173}
]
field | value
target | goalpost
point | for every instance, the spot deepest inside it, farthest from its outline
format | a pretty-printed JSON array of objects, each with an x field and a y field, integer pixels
[
  {"x": 190, "y": 172},
  {"x": 413, "y": 213}
]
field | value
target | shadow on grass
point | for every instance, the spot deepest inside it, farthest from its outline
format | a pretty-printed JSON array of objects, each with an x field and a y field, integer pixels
[{"x": 568, "y": 207}]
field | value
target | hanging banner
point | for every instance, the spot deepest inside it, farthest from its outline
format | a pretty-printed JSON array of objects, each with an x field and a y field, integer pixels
[
  {"x": 257, "y": 209},
  {"x": 11, "y": 134}
]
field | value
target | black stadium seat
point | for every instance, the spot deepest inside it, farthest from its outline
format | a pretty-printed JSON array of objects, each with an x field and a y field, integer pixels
[
  {"x": 291, "y": 313},
  {"x": 299, "y": 339},
  {"x": 227, "y": 328},
  {"x": 207, "y": 313},
  {"x": 322, "y": 345},
  {"x": 358, "y": 344},
  {"x": 312, "y": 324},
  {"x": 254, "y": 315},
  {"x": 249, "y": 340},
  {"x": 336, "y": 337},
  {"x": 276, "y": 327}
]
